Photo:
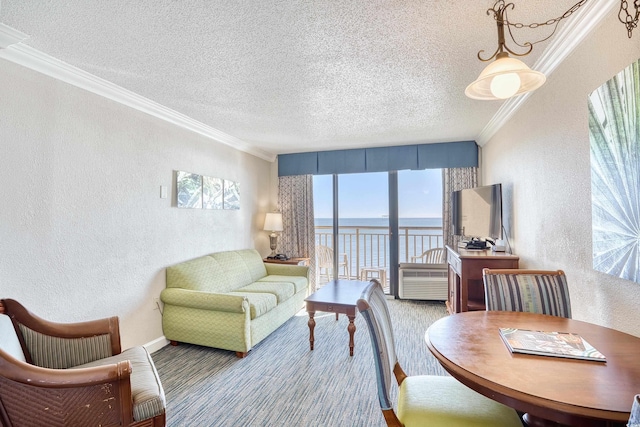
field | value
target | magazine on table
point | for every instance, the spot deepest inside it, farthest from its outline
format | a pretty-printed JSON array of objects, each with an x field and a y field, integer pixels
[{"x": 556, "y": 344}]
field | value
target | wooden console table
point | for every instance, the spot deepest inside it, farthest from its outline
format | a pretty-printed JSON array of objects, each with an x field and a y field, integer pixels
[{"x": 466, "y": 289}]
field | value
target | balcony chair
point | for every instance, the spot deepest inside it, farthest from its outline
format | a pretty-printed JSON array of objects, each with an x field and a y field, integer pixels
[
  {"x": 430, "y": 256},
  {"x": 436, "y": 401},
  {"x": 324, "y": 263},
  {"x": 535, "y": 291},
  {"x": 73, "y": 374}
]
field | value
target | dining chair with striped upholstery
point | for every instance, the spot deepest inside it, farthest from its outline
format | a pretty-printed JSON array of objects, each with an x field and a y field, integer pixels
[
  {"x": 422, "y": 400},
  {"x": 535, "y": 291}
]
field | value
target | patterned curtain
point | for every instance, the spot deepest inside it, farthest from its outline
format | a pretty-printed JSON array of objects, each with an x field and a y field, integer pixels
[
  {"x": 295, "y": 201},
  {"x": 454, "y": 179}
]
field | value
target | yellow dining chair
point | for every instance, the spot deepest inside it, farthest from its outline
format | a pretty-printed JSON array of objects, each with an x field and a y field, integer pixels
[
  {"x": 424, "y": 400},
  {"x": 535, "y": 291}
]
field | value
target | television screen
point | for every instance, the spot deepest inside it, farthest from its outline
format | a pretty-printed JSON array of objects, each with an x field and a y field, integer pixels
[{"x": 477, "y": 212}]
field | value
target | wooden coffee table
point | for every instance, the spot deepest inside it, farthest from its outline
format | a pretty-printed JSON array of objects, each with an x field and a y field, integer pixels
[{"x": 337, "y": 296}]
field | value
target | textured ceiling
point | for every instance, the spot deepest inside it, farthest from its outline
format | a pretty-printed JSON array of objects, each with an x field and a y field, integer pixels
[{"x": 289, "y": 75}]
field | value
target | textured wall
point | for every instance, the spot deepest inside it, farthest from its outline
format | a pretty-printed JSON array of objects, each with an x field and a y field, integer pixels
[
  {"x": 83, "y": 230},
  {"x": 542, "y": 159}
]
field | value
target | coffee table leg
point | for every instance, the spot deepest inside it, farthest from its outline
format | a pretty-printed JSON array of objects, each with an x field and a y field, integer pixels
[
  {"x": 352, "y": 330},
  {"x": 312, "y": 324}
]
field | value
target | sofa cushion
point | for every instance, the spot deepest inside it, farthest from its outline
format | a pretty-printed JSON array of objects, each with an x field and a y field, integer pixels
[
  {"x": 254, "y": 263},
  {"x": 259, "y": 303},
  {"x": 234, "y": 270},
  {"x": 299, "y": 282},
  {"x": 146, "y": 389},
  {"x": 9, "y": 342},
  {"x": 282, "y": 291},
  {"x": 200, "y": 274}
]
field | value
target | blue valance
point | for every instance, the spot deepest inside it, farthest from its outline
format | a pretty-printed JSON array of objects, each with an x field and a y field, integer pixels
[{"x": 380, "y": 159}]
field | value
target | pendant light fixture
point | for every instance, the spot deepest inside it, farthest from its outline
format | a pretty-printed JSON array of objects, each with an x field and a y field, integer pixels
[{"x": 506, "y": 76}]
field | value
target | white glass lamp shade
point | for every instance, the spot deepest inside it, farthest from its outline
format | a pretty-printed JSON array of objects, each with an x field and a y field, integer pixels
[
  {"x": 273, "y": 222},
  {"x": 503, "y": 78}
]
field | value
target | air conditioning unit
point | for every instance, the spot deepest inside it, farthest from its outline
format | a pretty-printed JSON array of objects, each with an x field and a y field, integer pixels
[{"x": 423, "y": 282}]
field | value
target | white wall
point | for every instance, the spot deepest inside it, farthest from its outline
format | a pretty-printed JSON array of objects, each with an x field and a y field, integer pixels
[
  {"x": 84, "y": 233},
  {"x": 542, "y": 159}
]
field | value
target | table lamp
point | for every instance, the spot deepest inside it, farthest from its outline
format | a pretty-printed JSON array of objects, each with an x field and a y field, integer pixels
[{"x": 273, "y": 223}]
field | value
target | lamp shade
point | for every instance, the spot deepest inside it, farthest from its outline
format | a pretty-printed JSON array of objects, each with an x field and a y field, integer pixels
[
  {"x": 273, "y": 221},
  {"x": 503, "y": 78}
]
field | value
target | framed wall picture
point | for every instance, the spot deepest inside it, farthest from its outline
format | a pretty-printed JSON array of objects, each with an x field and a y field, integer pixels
[
  {"x": 189, "y": 190},
  {"x": 212, "y": 192},
  {"x": 231, "y": 195},
  {"x": 614, "y": 134}
]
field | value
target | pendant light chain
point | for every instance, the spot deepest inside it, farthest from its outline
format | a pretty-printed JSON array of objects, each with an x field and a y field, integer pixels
[
  {"x": 629, "y": 21},
  {"x": 551, "y": 22},
  {"x": 565, "y": 15}
]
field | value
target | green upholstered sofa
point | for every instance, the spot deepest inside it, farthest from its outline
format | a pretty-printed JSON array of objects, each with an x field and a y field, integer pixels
[{"x": 230, "y": 300}]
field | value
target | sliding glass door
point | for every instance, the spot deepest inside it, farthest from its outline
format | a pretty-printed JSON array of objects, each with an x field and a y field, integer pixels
[
  {"x": 419, "y": 213},
  {"x": 363, "y": 224},
  {"x": 369, "y": 223}
]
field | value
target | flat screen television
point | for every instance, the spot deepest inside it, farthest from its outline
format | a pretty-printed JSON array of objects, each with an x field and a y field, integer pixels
[{"x": 477, "y": 212}]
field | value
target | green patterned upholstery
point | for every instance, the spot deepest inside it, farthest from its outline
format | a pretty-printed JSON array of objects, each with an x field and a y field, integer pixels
[
  {"x": 534, "y": 291},
  {"x": 235, "y": 271},
  {"x": 230, "y": 300},
  {"x": 146, "y": 390},
  {"x": 254, "y": 263},
  {"x": 300, "y": 283},
  {"x": 200, "y": 274},
  {"x": 282, "y": 290},
  {"x": 259, "y": 303}
]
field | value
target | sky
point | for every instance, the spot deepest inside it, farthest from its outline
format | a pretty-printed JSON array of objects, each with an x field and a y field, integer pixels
[{"x": 366, "y": 195}]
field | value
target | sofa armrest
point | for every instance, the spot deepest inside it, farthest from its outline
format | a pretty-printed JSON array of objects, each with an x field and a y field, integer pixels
[
  {"x": 287, "y": 269},
  {"x": 205, "y": 300}
]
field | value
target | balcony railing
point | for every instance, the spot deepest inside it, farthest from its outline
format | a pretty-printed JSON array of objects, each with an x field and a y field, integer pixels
[{"x": 368, "y": 246}]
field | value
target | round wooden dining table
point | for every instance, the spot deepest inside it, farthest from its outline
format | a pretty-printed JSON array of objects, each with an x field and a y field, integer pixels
[{"x": 548, "y": 390}]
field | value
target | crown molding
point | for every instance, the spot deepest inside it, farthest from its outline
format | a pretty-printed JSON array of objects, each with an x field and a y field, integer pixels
[
  {"x": 10, "y": 36},
  {"x": 38, "y": 61},
  {"x": 569, "y": 36}
]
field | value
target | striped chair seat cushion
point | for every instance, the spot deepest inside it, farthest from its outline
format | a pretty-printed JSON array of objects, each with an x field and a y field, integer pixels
[{"x": 535, "y": 293}]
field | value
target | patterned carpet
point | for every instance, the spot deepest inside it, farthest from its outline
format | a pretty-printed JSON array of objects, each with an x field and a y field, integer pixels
[{"x": 283, "y": 383}]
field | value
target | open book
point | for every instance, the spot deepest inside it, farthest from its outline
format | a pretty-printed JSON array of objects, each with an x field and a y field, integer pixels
[{"x": 556, "y": 344}]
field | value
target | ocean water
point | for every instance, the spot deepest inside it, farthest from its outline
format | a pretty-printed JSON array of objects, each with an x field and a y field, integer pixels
[{"x": 380, "y": 222}]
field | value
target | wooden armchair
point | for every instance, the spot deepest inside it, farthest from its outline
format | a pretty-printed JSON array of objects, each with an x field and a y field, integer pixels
[{"x": 56, "y": 374}]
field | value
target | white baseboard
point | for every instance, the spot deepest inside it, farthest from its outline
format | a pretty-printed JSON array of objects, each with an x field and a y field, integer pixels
[{"x": 156, "y": 344}]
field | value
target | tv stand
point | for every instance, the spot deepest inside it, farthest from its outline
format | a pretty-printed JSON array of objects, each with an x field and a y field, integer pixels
[{"x": 466, "y": 288}]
